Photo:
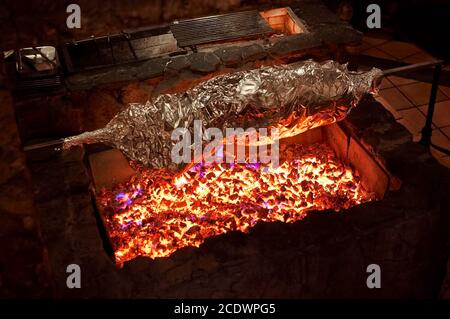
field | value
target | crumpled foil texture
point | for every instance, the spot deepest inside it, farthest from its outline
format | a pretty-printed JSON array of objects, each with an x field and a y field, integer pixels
[{"x": 294, "y": 98}]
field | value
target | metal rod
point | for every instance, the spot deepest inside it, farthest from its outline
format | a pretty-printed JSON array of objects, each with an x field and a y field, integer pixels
[
  {"x": 97, "y": 49},
  {"x": 111, "y": 50},
  {"x": 413, "y": 67},
  {"x": 130, "y": 46},
  {"x": 44, "y": 56},
  {"x": 42, "y": 145},
  {"x": 427, "y": 130},
  {"x": 440, "y": 149}
]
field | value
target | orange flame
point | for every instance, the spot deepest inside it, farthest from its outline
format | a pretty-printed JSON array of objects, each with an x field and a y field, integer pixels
[{"x": 155, "y": 214}]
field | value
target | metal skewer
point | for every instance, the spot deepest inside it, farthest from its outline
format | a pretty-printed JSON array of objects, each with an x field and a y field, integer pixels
[
  {"x": 417, "y": 66},
  {"x": 44, "y": 145}
]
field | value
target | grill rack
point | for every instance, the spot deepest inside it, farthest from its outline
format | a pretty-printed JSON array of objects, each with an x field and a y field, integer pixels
[{"x": 244, "y": 24}]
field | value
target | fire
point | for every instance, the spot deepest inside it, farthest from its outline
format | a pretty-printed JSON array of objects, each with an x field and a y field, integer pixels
[{"x": 155, "y": 214}]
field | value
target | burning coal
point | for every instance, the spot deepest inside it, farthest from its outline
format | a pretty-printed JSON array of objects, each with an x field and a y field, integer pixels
[
  {"x": 155, "y": 214},
  {"x": 161, "y": 210}
]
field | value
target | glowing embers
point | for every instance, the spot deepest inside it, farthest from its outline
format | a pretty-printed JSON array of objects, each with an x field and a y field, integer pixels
[{"x": 155, "y": 214}]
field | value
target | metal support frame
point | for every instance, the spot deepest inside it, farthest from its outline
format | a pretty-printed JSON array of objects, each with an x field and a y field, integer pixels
[
  {"x": 127, "y": 37},
  {"x": 427, "y": 130}
]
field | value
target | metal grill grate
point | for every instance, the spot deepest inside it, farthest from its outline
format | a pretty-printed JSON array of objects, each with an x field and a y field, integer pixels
[
  {"x": 29, "y": 87},
  {"x": 230, "y": 26}
]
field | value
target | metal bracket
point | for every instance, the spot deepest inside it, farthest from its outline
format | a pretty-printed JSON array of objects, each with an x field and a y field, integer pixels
[{"x": 427, "y": 130}]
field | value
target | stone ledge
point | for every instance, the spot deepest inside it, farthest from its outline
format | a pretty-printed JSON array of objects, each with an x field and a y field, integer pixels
[
  {"x": 253, "y": 52},
  {"x": 204, "y": 62},
  {"x": 23, "y": 272},
  {"x": 230, "y": 57}
]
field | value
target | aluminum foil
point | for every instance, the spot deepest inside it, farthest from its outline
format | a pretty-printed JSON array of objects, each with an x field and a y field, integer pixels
[{"x": 293, "y": 98}]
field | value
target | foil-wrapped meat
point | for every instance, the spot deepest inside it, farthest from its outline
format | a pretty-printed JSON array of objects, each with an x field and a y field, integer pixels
[{"x": 293, "y": 98}]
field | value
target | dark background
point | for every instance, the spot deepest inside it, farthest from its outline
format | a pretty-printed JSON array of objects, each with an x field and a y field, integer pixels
[
  {"x": 42, "y": 22},
  {"x": 424, "y": 22}
]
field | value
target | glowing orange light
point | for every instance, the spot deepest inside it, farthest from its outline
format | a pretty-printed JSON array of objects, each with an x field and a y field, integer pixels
[{"x": 155, "y": 214}]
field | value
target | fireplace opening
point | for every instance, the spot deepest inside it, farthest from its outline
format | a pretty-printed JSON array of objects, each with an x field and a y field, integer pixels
[
  {"x": 147, "y": 212},
  {"x": 283, "y": 21}
]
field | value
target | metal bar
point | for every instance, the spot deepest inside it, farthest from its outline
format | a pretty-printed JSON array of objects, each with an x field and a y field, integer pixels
[
  {"x": 412, "y": 67},
  {"x": 427, "y": 130},
  {"x": 212, "y": 30},
  {"x": 214, "y": 24},
  {"x": 40, "y": 82},
  {"x": 194, "y": 33},
  {"x": 67, "y": 58},
  {"x": 127, "y": 38},
  {"x": 238, "y": 21},
  {"x": 440, "y": 149},
  {"x": 28, "y": 62},
  {"x": 152, "y": 30},
  {"x": 186, "y": 43},
  {"x": 217, "y": 27},
  {"x": 97, "y": 49},
  {"x": 42, "y": 145},
  {"x": 44, "y": 56},
  {"x": 239, "y": 13},
  {"x": 111, "y": 50},
  {"x": 217, "y": 38},
  {"x": 19, "y": 58}
]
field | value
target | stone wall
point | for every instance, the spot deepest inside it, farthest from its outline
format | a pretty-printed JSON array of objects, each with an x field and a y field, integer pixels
[{"x": 23, "y": 259}]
